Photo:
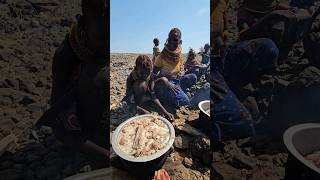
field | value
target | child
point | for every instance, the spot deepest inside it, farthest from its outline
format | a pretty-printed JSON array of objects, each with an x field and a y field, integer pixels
[
  {"x": 193, "y": 65},
  {"x": 156, "y": 50},
  {"x": 140, "y": 86}
]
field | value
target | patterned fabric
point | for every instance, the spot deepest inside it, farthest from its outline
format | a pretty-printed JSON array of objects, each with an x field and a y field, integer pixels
[
  {"x": 247, "y": 60},
  {"x": 169, "y": 62},
  {"x": 230, "y": 120}
]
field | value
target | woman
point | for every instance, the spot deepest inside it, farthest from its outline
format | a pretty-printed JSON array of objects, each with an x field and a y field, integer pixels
[{"x": 169, "y": 85}]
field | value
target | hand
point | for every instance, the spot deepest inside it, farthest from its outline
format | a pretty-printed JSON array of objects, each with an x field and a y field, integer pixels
[
  {"x": 169, "y": 116},
  {"x": 174, "y": 88},
  {"x": 162, "y": 174}
]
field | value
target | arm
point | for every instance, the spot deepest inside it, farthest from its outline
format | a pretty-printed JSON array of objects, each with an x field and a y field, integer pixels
[
  {"x": 129, "y": 91},
  {"x": 95, "y": 150}
]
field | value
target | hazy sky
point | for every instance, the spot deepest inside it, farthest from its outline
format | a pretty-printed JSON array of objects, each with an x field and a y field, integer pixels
[{"x": 134, "y": 23}]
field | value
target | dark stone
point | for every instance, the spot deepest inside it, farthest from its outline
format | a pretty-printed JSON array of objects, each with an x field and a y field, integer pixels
[
  {"x": 251, "y": 104},
  {"x": 26, "y": 100},
  {"x": 200, "y": 148}
]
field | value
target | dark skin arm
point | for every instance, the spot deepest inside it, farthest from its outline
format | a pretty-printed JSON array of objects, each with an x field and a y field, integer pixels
[
  {"x": 158, "y": 103},
  {"x": 129, "y": 92},
  {"x": 156, "y": 71}
]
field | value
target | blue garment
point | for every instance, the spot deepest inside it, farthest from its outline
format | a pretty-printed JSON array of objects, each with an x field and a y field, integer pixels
[
  {"x": 205, "y": 58},
  {"x": 247, "y": 60},
  {"x": 188, "y": 80},
  {"x": 230, "y": 119},
  {"x": 179, "y": 99}
]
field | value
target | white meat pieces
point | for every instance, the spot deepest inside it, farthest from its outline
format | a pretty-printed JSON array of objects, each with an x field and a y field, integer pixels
[
  {"x": 143, "y": 136},
  {"x": 314, "y": 157}
]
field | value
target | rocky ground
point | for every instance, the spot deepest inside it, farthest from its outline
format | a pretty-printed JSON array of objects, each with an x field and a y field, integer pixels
[
  {"x": 190, "y": 158},
  {"x": 30, "y": 31}
]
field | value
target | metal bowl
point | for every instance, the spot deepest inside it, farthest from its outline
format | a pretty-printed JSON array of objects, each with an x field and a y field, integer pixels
[
  {"x": 302, "y": 140},
  {"x": 145, "y": 165}
]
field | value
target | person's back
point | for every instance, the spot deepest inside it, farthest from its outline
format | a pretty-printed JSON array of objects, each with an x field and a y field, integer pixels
[{"x": 81, "y": 64}]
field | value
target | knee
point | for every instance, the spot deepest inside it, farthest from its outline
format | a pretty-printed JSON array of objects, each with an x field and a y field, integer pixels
[
  {"x": 161, "y": 81},
  {"x": 193, "y": 77},
  {"x": 270, "y": 47}
]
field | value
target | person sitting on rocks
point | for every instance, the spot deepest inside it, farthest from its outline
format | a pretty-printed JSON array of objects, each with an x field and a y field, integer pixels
[
  {"x": 252, "y": 10},
  {"x": 192, "y": 65},
  {"x": 231, "y": 119},
  {"x": 80, "y": 65},
  {"x": 246, "y": 61},
  {"x": 206, "y": 55},
  {"x": 167, "y": 67},
  {"x": 156, "y": 50},
  {"x": 140, "y": 87}
]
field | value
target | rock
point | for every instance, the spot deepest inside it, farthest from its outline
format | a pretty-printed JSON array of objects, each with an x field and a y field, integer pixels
[
  {"x": 266, "y": 85},
  {"x": 5, "y": 101},
  {"x": 7, "y": 142},
  {"x": 46, "y": 130},
  {"x": 176, "y": 170},
  {"x": 27, "y": 100},
  {"x": 251, "y": 104},
  {"x": 280, "y": 83},
  {"x": 190, "y": 130},
  {"x": 182, "y": 141},
  {"x": 242, "y": 162},
  {"x": 35, "y": 24},
  {"x": 187, "y": 162},
  {"x": 248, "y": 90},
  {"x": 227, "y": 171},
  {"x": 200, "y": 148},
  {"x": 216, "y": 157}
]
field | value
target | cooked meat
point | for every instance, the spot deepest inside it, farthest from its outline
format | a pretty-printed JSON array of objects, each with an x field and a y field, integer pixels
[{"x": 143, "y": 136}]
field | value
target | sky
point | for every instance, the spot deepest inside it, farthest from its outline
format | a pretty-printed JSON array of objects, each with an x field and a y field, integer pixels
[{"x": 134, "y": 23}]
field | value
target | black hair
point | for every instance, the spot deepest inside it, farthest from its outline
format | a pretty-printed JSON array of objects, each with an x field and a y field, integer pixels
[{"x": 174, "y": 31}]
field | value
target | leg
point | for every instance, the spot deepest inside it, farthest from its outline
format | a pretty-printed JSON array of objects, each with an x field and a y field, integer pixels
[
  {"x": 231, "y": 120},
  {"x": 187, "y": 81},
  {"x": 167, "y": 97},
  {"x": 248, "y": 60}
]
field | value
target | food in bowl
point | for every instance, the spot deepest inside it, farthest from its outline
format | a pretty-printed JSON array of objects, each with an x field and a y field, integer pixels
[
  {"x": 143, "y": 136},
  {"x": 314, "y": 157}
]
